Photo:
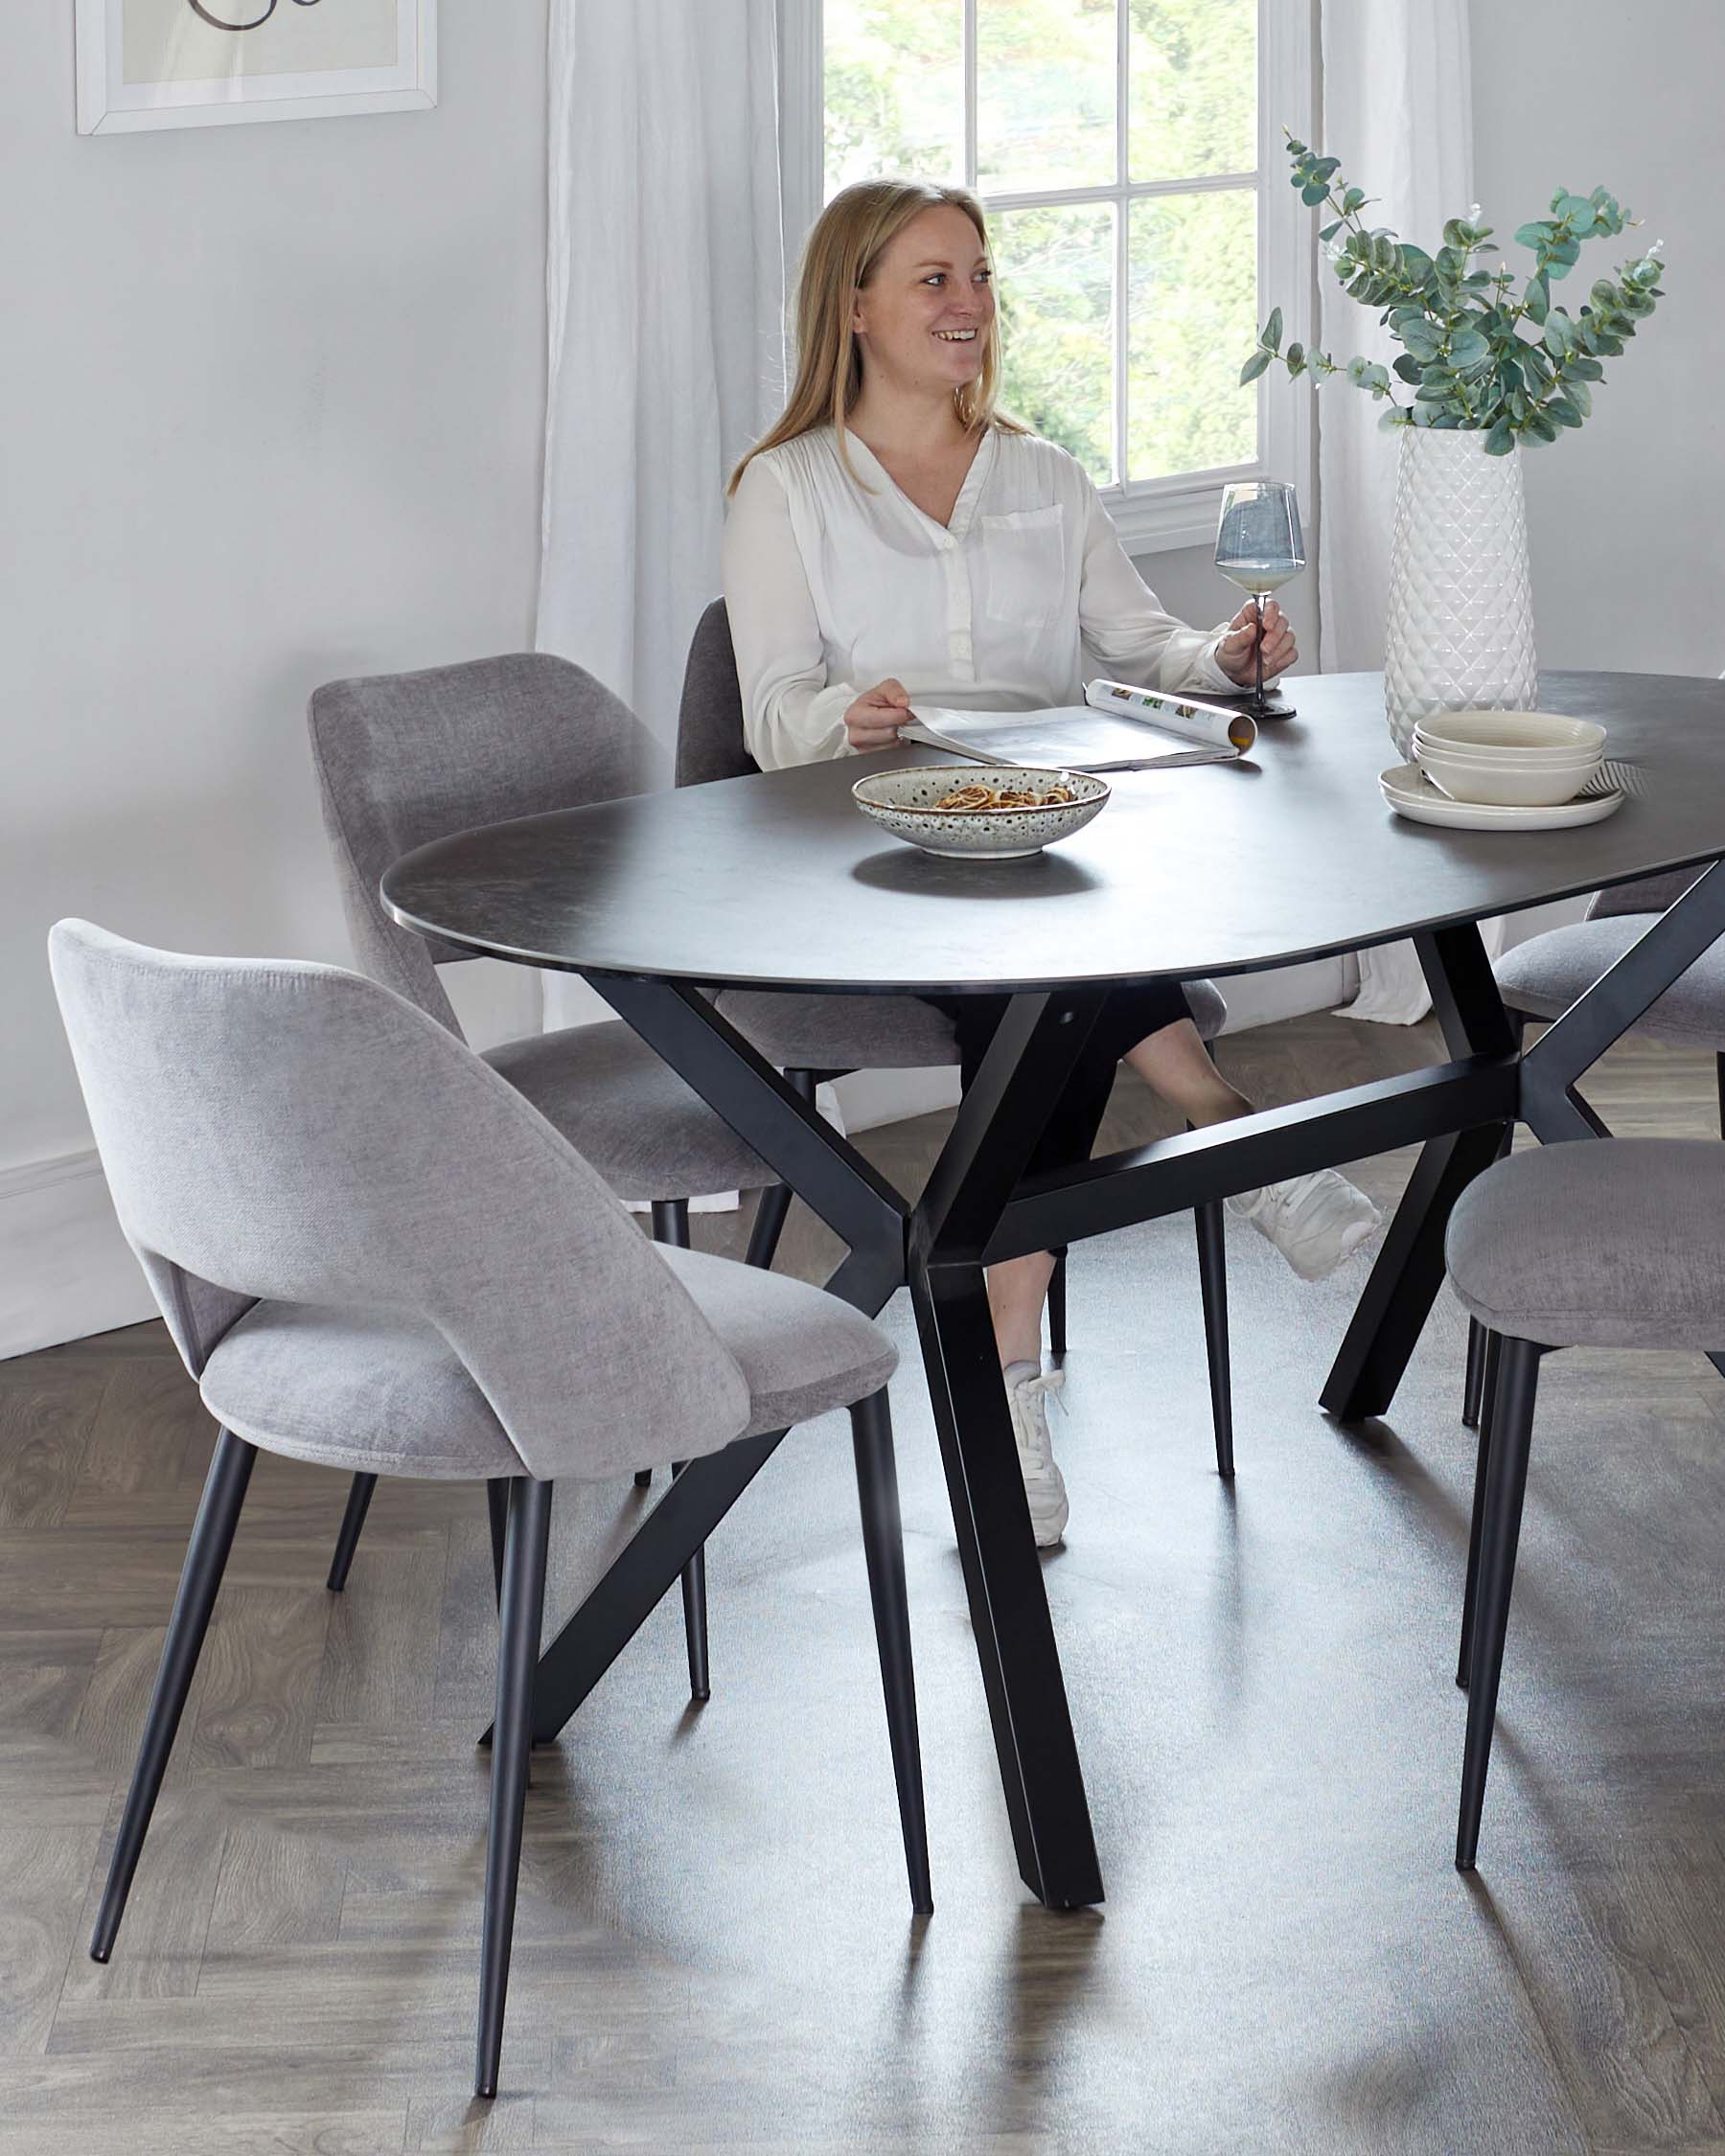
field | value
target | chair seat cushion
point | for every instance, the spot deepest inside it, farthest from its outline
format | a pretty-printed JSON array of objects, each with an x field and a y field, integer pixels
[
  {"x": 380, "y": 1393},
  {"x": 841, "y": 1032},
  {"x": 629, "y": 1113},
  {"x": 801, "y": 1350},
  {"x": 1605, "y": 1243},
  {"x": 879, "y": 1032},
  {"x": 366, "y": 1390},
  {"x": 1544, "y": 976}
]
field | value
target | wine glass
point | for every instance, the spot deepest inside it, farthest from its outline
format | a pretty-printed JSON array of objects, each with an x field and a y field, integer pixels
[{"x": 1259, "y": 548}]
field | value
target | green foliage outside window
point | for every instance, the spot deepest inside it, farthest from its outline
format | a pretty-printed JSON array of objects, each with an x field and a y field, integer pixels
[{"x": 1047, "y": 71}]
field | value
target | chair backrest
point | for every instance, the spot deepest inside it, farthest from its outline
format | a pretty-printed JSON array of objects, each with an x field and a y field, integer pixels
[
  {"x": 1648, "y": 894},
  {"x": 299, "y": 1134},
  {"x": 710, "y": 742},
  {"x": 405, "y": 758}
]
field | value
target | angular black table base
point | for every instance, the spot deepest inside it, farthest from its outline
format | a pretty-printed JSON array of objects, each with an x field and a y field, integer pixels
[{"x": 974, "y": 1210}]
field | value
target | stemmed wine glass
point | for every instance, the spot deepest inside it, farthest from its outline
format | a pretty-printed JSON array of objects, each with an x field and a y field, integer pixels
[{"x": 1259, "y": 548}]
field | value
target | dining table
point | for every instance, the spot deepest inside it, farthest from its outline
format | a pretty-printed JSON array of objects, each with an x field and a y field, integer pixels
[{"x": 1289, "y": 854}]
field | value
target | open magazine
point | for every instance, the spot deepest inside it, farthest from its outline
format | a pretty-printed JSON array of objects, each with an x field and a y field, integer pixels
[{"x": 1118, "y": 727}]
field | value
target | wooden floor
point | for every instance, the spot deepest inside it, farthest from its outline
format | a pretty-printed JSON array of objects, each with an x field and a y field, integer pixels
[{"x": 714, "y": 1946}]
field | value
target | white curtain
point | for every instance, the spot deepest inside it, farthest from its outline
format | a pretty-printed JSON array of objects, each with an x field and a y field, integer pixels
[
  {"x": 666, "y": 303},
  {"x": 1398, "y": 112}
]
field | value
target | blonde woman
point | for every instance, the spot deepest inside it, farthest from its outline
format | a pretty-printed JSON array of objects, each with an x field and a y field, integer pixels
[{"x": 897, "y": 538}]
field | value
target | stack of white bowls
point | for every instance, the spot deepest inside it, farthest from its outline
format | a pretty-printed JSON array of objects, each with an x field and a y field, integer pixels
[{"x": 1508, "y": 759}]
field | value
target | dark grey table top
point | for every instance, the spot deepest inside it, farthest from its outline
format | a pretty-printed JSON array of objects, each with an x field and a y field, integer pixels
[{"x": 778, "y": 880}]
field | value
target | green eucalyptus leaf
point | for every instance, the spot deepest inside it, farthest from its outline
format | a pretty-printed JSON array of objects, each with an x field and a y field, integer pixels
[
  {"x": 1272, "y": 329},
  {"x": 1389, "y": 421},
  {"x": 1384, "y": 254},
  {"x": 1532, "y": 235},
  {"x": 1353, "y": 199},
  {"x": 1500, "y": 439},
  {"x": 1313, "y": 192},
  {"x": 1325, "y": 168},
  {"x": 1407, "y": 367},
  {"x": 1564, "y": 411},
  {"x": 1580, "y": 396},
  {"x": 1557, "y": 334},
  {"x": 1356, "y": 371},
  {"x": 1580, "y": 367},
  {"x": 1563, "y": 258},
  {"x": 1468, "y": 348},
  {"x": 1253, "y": 367},
  {"x": 1327, "y": 232},
  {"x": 1538, "y": 428},
  {"x": 1456, "y": 233},
  {"x": 1537, "y": 299},
  {"x": 1414, "y": 262},
  {"x": 1296, "y": 356}
]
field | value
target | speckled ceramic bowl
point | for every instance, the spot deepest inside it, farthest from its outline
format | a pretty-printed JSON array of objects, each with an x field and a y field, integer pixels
[{"x": 903, "y": 802}]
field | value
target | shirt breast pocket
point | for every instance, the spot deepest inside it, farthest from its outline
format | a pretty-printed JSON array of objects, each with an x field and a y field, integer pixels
[{"x": 1024, "y": 565}]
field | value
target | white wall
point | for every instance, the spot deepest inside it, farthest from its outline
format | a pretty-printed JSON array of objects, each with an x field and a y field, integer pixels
[
  {"x": 1626, "y": 518},
  {"x": 273, "y": 401}
]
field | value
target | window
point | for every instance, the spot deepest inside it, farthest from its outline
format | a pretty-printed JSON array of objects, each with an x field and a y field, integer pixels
[{"x": 1129, "y": 153}]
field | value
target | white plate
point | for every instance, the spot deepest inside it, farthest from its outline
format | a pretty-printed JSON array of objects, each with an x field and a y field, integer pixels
[{"x": 1411, "y": 794}]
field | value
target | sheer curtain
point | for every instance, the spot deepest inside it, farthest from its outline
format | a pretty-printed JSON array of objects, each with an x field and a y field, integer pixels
[
  {"x": 665, "y": 298},
  {"x": 1398, "y": 112},
  {"x": 666, "y": 304}
]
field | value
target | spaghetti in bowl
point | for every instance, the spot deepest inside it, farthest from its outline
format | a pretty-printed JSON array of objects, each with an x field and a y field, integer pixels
[{"x": 993, "y": 812}]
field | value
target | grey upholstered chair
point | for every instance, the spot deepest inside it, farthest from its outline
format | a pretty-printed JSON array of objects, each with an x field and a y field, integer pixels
[
  {"x": 1607, "y": 1243},
  {"x": 374, "y": 1252},
  {"x": 815, "y": 1037},
  {"x": 1542, "y": 978},
  {"x": 403, "y": 759}
]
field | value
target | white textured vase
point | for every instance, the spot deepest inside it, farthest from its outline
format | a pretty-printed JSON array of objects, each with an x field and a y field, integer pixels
[{"x": 1458, "y": 636}]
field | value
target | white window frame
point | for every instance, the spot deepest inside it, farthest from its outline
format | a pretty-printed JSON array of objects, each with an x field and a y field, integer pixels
[{"x": 1153, "y": 516}]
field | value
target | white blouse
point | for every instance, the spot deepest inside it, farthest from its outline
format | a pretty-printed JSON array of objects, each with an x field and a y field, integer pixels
[{"x": 832, "y": 588}]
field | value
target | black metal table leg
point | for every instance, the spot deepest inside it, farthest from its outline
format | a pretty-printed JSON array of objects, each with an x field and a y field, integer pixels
[
  {"x": 1392, "y": 1312},
  {"x": 998, "y": 1123}
]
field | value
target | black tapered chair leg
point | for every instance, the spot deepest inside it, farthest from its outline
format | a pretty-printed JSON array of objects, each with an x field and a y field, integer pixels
[
  {"x": 643, "y": 1477},
  {"x": 1506, "y": 1487},
  {"x": 671, "y": 1224},
  {"x": 1489, "y": 1358},
  {"x": 1057, "y": 1307},
  {"x": 200, "y": 1576},
  {"x": 347, "y": 1540},
  {"x": 1720, "y": 1083},
  {"x": 496, "y": 1505},
  {"x": 523, "y": 1614},
  {"x": 1212, "y": 1282},
  {"x": 884, "y": 1547},
  {"x": 695, "y": 1614},
  {"x": 1473, "y": 1386}
]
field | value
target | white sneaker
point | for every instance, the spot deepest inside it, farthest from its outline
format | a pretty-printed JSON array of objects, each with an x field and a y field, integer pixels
[
  {"x": 1045, "y": 1487},
  {"x": 1315, "y": 1222}
]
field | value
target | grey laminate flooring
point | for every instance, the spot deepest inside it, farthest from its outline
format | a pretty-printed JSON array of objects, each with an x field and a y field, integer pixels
[{"x": 714, "y": 1947}]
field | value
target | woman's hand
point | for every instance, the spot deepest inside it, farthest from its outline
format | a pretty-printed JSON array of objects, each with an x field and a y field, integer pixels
[
  {"x": 1236, "y": 653},
  {"x": 874, "y": 719}
]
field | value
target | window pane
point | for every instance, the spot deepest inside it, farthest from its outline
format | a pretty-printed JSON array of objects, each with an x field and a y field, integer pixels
[
  {"x": 894, "y": 90},
  {"x": 1046, "y": 88},
  {"x": 1193, "y": 319},
  {"x": 1194, "y": 89},
  {"x": 1054, "y": 272}
]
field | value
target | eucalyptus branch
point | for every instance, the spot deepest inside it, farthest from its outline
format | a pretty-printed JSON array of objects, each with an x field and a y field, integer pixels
[{"x": 1463, "y": 354}]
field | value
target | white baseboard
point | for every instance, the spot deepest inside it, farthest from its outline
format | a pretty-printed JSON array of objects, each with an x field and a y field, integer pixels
[{"x": 66, "y": 1268}]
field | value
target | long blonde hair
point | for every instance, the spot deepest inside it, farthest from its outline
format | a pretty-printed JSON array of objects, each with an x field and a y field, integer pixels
[{"x": 849, "y": 237}]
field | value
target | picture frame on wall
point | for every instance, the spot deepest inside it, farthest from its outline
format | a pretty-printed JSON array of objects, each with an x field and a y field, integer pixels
[{"x": 202, "y": 63}]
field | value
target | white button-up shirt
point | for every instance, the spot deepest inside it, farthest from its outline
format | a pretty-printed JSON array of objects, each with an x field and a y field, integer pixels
[{"x": 832, "y": 588}]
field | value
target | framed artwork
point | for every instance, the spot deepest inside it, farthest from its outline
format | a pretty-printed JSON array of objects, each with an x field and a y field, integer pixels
[{"x": 201, "y": 63}]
